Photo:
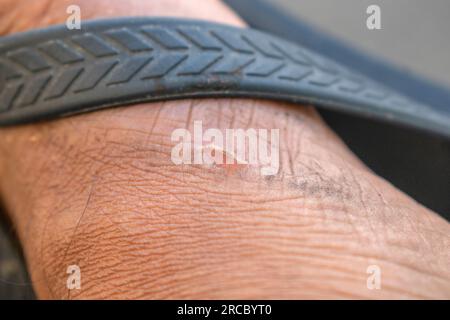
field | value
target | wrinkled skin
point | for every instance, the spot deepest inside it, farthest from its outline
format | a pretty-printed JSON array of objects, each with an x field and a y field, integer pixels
[{"x": 99, "y": 190}]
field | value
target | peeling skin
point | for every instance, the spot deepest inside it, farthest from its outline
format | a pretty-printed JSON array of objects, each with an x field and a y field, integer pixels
[
  {"x": 99, "y": 190},
  {"x": 106, "y": 196},
  {"x": 233, "y": 166}
]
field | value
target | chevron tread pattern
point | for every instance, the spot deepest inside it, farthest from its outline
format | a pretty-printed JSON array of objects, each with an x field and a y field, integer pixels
[{"x": 138, "y": 57}]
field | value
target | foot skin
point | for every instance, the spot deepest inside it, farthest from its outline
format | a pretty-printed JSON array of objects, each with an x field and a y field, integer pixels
[{"x": 100, "y": 191}]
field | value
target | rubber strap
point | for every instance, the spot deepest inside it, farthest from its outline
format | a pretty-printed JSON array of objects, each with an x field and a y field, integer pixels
[{"x": 56, "y": 72}]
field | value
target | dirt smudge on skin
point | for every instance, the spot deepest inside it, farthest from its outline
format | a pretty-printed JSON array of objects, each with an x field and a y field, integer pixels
[{"x": 322, "y": 186}]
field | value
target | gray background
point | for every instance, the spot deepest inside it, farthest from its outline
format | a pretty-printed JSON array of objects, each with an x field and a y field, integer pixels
[{"x": 415, "y": 34}]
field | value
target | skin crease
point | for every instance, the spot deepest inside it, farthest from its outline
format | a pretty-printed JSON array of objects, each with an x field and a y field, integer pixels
[{"x": 99, "y": 190}]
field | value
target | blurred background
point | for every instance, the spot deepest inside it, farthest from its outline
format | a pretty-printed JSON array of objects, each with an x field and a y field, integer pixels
[
  {"x": 414, "y": 34},
  {"x": 414, "y": 37}
]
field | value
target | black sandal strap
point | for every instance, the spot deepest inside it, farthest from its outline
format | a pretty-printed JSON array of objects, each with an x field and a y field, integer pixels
[{"x": 55, "y": 72}]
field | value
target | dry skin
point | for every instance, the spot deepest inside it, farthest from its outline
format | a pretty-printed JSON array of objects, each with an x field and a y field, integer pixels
[{"x": 99, "y": 190}]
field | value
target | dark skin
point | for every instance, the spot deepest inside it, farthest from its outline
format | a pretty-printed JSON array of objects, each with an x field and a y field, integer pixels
[{"x": 99, "y": 190}]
